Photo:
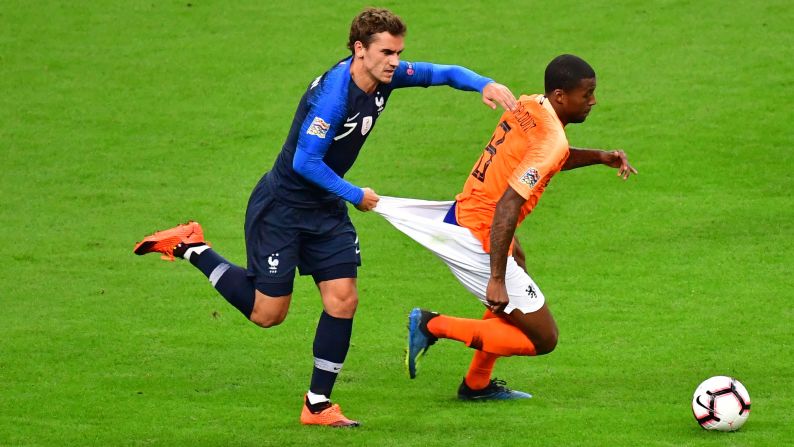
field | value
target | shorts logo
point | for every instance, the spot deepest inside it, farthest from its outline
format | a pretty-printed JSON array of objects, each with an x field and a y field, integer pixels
[
  {"x": 318, "y": 127},
  {"x": 530, "y": 291},
  {"x": 272, "y": 261},
  {"x": 358, "y": 248},
  {"x": 530, "y": 177}
]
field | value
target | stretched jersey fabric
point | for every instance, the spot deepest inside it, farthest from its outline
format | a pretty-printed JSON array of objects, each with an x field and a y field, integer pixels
[
  {"x": 423, "y": 221},
  {"x": 527, "y": 148},
  {"x": 332, "y": 122}
]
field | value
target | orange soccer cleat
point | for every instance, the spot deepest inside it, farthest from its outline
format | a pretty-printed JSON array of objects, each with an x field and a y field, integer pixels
[
  {"x": 330, "y": 417},
  {"x": 166, "y": 241}
]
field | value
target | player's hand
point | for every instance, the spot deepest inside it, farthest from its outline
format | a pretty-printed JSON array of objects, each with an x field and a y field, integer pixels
[
  {"x": 369, "y": 201},
  {"x": 496, "y": 295},
  {"x": 618, "y": 159},
  {"x": 495, "y": 93}
]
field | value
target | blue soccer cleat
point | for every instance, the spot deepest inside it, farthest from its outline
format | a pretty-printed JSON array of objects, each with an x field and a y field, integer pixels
[
  {"x": 419, "y": 339},
  {"x": 496, "y": 390}
]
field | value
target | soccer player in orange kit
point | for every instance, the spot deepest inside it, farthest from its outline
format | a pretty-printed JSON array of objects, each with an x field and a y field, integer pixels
[{"x": 527, "y": 149}]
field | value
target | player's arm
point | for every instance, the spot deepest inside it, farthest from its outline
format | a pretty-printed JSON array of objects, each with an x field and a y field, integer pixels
[
  {"x": 425, "y": 74},
  {"x": 315, "y": 137},
  {"x": 579, "y": 157},
  {"x": 503, "y": 231}
]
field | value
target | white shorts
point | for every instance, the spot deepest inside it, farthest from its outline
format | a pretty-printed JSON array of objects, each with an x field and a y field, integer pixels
[{"x": 423, "y": 221}]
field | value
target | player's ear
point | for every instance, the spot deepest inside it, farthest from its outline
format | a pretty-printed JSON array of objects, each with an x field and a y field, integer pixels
[
  {"x": 558, "y": 96},
  {"x": 358, "y": 48}
]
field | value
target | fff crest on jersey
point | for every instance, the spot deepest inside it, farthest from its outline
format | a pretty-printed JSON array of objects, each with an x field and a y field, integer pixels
[
  {"x": 366, "y": 125},
  {"x": 318, "y": 127},
  {"x": 530, "y": 177}
]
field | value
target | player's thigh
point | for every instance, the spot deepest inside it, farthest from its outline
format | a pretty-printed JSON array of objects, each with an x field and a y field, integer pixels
[
  {"x": 272, "y": 242},
  {"x": 539, "y": 326}
]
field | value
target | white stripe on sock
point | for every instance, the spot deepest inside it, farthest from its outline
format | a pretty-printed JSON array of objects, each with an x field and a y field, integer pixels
[
  {"x": 216, "y": 274},
  {"x": 199, "y": 249},
  {"x": 315, "y": 399},
  {"x": 325, "y": 365}
]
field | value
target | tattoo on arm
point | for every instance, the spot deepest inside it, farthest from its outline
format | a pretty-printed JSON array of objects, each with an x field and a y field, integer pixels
[{"x": 502, "y": 230}]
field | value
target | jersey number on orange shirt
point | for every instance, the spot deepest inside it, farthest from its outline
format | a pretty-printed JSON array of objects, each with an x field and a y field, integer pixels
[{"x": 490, "y": 149}]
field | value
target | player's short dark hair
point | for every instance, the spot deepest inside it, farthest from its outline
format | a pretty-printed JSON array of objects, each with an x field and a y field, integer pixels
[
  {"x": 565, "y": 72},
  {"x": 372, "y": 21}
]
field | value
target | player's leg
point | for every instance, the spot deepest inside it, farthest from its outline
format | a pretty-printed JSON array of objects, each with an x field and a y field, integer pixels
[
  {"x": 492, "y": 337},
  {"x": 482, "y": 363},
  {"x": 331, "y": 256},
  {"x": 331, "y": 344},
  {"x": 539, "y": 326},
  {"x": 272, "y": 241},
  {"x": 187, "y": 241}
]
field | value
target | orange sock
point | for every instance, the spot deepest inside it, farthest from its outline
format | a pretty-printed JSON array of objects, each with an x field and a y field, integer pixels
[
  {"x": 480, "y": 370},
  {"x": 482, "y": 363},
  {"x": 493, "y": 335}
]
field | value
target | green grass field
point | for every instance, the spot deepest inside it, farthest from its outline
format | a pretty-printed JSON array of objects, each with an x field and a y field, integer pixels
[{"x": 120, "y": 118}]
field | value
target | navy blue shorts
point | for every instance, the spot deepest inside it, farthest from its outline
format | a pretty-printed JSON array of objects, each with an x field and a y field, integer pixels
[{"x": 319, "y": 241}]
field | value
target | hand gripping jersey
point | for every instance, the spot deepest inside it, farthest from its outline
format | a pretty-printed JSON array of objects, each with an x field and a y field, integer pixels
[
  {"x": 332, "y": 122},
  {"x": 527, "y": 148}
]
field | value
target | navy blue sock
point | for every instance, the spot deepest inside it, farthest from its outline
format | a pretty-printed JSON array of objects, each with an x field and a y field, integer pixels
[
  {"x": 331, "y": 342},
  {"x": 231, "y": 281}
]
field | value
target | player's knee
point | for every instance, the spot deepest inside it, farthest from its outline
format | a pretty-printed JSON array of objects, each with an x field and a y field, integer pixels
[
  {"x": 348, "y": 303},
  {"x": 546, "y": 343},
  {"x": 342, "y": 306},
  {"x": 266, "y": 320}
]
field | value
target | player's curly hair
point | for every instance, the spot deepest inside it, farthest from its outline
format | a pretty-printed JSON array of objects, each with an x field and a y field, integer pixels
[
  {"x": 565, "y": 71},
  {"x": 372, "y": 21}
]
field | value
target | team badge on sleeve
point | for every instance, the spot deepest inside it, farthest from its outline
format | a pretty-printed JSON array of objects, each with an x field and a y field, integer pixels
[
  {"x": 530, "y": 177},
  {"x": 318, "y": 127}
]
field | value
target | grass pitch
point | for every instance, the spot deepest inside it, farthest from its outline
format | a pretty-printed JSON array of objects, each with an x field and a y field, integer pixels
[{"x": 119, "y": 118}]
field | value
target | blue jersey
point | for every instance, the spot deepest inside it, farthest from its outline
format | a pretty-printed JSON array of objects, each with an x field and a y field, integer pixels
[{"x": 331, "y": 124}]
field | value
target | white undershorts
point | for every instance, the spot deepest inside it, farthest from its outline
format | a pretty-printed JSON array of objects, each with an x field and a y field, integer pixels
[{"x": 423, "y": 221}]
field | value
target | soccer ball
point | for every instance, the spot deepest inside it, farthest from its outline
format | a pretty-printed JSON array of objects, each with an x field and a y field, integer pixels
[{"x": 721, "y": 403}]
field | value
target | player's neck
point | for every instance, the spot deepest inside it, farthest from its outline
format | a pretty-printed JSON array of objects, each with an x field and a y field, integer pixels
[
  {"x": 560, "y": 116},
  {"x": 362, "y": 78}
]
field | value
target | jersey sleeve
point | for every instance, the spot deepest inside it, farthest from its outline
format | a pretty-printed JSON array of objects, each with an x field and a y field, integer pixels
[
  {"x": 425, "y": 74},
  {"x": 545, "y": 155},
  {"x": 327, "y": 108}
]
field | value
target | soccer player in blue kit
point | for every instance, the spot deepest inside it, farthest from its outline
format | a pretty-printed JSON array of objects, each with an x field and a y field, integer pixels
[{"x": 297, "y": 216}]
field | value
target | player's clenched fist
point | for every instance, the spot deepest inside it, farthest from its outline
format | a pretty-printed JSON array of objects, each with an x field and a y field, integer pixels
[{"x": 369, "y": 201}]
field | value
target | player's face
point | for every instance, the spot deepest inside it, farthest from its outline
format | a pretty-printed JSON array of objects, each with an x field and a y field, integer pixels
[
  {"x": 382, "y": 56},
  {"x": 580, "y": 100}
]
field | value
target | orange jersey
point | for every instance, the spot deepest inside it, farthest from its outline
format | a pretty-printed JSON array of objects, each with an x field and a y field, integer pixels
[{"x": 527, "y": 148}]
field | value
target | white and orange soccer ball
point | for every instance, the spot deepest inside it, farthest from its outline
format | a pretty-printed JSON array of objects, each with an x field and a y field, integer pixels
[{"x": 721, "y": 403}]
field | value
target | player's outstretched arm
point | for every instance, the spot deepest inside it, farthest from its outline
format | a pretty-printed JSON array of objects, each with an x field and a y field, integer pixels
[
  {"x": 426, "y": 74},
  {"x": 585, "y": 157}
]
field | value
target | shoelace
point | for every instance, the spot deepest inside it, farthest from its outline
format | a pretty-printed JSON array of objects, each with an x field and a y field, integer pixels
[{"x": 499, "y": 385}]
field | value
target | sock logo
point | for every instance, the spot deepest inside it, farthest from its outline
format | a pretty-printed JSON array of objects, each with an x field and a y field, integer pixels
[{"x": 272, "y": 261}]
